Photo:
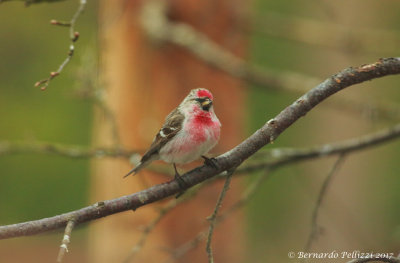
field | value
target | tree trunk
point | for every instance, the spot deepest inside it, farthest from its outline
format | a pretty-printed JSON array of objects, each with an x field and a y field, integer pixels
[{"x": 142, "y": 83}]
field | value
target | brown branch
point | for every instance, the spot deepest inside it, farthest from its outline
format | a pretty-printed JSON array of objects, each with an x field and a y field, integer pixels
[
  {"x": 70, "y": 151},
  {"x": 274, "y": 158},
  {"x": 213, "y": 217},
  {"x": 314, "y": 219},
  {"x": 162, "y": 212},
  {"x": 246, "y": 196},
  {"x": 233, "y": 158},
  {"x": 66, "y": 240},
  {"x": 186, "y": 247},
  {"x": 278, "y": 157},
  {"x": 149, "y": 228},
  {"x": 73, "y": 36}
]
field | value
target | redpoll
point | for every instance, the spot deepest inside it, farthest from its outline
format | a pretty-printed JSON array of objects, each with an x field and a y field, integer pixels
[{"x": 190, "y": 131}]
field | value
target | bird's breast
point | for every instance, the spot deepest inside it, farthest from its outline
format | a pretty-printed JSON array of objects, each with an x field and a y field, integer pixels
[{"x": 203, "y": 128}]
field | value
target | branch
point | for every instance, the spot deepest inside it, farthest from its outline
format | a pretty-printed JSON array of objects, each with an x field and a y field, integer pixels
[
  {"x": 66, "y": 240},
  {"x": 233, "y": 158},
  {"x": 314, "y": 220},
  {"x": 69, "y": 151},
  {"x": 73, "y": 36},
  {"x": 213, "y": 217},
  {"x": 246, "y": 196},
  {"x": 275, "y": 157},
  {"x": 162, "y": 212},
  {"x": 279, "y": 157}
]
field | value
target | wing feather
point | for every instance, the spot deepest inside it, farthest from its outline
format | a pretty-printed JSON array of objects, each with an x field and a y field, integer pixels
[{"x": 172, "y": 125}]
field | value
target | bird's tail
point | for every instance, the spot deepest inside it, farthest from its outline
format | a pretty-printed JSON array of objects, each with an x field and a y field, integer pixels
[
  {"x": 133, "y": 171},
  {"x": 138, "y": 167}
]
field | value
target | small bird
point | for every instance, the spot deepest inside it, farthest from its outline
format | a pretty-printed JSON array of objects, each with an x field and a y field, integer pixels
[{"x": 189, "y": 131}]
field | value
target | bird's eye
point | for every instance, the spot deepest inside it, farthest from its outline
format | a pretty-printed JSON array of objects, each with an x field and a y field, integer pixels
[
  {"x": 205, "y": 103},
  {"x": 200, "y": 100}
]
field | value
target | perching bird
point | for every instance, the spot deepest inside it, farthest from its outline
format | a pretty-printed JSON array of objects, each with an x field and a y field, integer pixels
[{"x": 190, "y": 131}]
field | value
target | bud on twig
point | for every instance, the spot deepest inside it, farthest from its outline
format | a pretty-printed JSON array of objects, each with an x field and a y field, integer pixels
[
  {"x": 54, "y": 74},
  {"x": 76, "y": 36},
  {"x": 60, "y": 23}
]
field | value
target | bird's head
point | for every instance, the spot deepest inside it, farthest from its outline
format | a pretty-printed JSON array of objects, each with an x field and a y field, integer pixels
[{"x": 200, "y": 99}]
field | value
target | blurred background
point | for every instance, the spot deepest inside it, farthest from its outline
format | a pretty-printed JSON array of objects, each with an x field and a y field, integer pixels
[{"x": 295, "y": 40}]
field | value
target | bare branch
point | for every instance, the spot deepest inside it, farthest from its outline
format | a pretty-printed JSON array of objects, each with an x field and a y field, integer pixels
[
  {"x": 162, "y": 212},
  {"x": 66, "y": 240},
  {"x": 314, "y": 220},
  {"x": 73, "y": 35},
  {"x": 246, "y": 196},
  {"x": 213, "y": 217},
  {"x": 186, "y": 247},
  {"x": 273, "y": 158},
  {"x": 233, "y": 158},
  {"x": 70, "y": 151},
  {"x": 278, "y": 157},
  {"x": 149, "y": 228}
]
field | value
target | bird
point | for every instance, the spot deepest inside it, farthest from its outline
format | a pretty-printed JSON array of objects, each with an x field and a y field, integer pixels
[{"x": 189, "y": 132}]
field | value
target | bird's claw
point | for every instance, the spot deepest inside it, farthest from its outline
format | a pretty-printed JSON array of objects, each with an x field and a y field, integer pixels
[
  {"x": 210, "y": 161},
  {"x": 182, "y": 185}
]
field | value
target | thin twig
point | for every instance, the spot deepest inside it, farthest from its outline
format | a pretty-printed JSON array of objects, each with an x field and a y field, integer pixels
[
  {"x": 213, "y": 217},
  {"x": 149, "y": 228},
  {"x": 314, "y": 220},
  {"x": 73, "y": 36},
  {"x": 187, "y": 246},
  {"x": 282, "y": 156},
  {"x": 272, "y": 158},
  {"x": 66, "y": 240},
  {"x": 248, "y": 193},
  {"x": 162, "y": 212},
  {"x": 233, "y": 158},
  {"x": 70, "y": 151}
]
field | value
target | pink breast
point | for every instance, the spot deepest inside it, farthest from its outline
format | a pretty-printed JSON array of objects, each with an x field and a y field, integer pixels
[{"x": 203, "y": 126}]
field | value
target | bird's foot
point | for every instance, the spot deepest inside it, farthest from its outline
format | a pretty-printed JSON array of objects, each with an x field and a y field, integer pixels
[
  {"x": 210, "y": 161},
  {"x": 182, "y": 184}
]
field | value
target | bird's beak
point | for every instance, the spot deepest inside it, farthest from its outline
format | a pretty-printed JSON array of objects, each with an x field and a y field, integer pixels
[{"x": 206, "y": 105}]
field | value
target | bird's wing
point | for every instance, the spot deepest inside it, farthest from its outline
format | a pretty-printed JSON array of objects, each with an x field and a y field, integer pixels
[{"x": 173, "y": 124}]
